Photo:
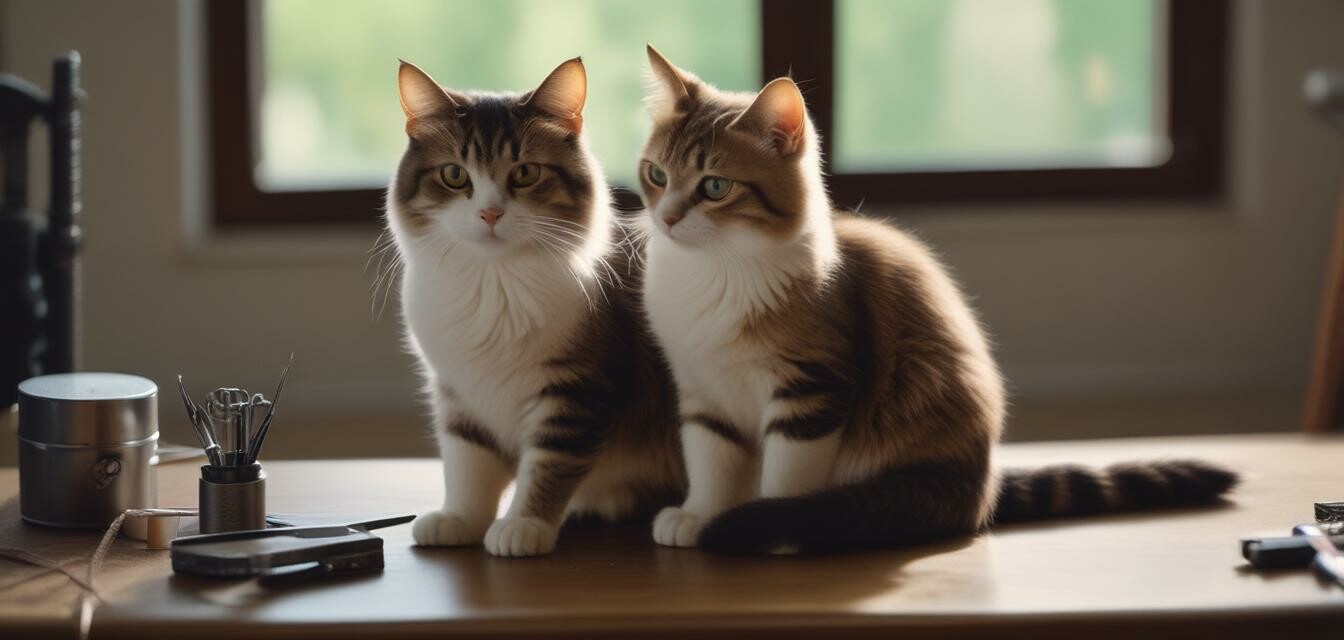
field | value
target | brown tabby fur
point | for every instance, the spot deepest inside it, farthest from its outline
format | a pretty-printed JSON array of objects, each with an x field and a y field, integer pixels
[
  {"x": 588, "y": 414},
  {"x": 877, "y": 344}
]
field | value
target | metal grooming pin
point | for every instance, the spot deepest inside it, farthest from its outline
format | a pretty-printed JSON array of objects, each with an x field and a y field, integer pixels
[{"x": 225, "y": 421}]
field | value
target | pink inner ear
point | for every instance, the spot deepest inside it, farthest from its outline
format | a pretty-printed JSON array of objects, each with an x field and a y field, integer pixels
[
  {"x": 563, "y": 93},
  {"x": 779, "y": 109},
  {"x": 789, "y": 114},
  {"x": 419, "y": 93},
  {"x": 671, "y": 79}
]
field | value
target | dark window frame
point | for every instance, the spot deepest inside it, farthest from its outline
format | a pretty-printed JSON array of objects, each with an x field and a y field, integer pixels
[{"x": 798, "y": 38}]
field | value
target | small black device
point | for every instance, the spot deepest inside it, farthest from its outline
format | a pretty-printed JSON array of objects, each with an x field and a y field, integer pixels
[
  {"x": 284, "y": 552},
  {"x": 1287, "y": 552},
  {"x": 1329, "y": 511}
]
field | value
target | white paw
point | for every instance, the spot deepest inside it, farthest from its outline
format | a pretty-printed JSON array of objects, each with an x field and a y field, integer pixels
[
  {"x": 443, "y": 529},
  {"x": 520, "y": 537},
  {"x": 676, "y": 528}
]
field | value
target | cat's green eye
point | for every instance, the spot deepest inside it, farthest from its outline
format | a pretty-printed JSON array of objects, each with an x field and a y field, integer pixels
[
  {"x": 454, "y": 177},
  {"x": 657, "y": 177},
  {"x": 715, "y": 188},
  {"x": 525, "y": 175}
]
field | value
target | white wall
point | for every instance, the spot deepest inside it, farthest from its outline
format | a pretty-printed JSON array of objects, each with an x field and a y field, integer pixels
[{"x": 1164, "y": 297}]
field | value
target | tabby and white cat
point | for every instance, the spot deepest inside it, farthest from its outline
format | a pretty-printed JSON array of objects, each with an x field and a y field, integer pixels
[
  {"x": 522, "y": 311},
  {"x": 836, "y": 391}
]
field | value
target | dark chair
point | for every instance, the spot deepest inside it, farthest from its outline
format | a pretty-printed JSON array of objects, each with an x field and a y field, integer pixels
[
  {"x": 38, "y": 267},
  {"x": 1325, "y": 387},
  {"x": 1324, "y": 410}
]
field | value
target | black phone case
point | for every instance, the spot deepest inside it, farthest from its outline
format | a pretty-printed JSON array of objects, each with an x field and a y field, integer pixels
[{"x": 251, "y": 554}]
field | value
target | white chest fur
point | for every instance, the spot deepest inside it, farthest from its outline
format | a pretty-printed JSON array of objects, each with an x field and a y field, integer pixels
[
  {"x": 697, "y": 303},
  {"x": 484, "y": 327}
]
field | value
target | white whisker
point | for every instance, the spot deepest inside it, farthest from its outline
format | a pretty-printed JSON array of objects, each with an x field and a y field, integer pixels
[{"x": 561, "y": 258}]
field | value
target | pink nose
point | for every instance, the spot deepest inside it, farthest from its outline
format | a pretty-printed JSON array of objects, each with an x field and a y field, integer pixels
[
  {"x": 670, "y": 220},
  {"x": 491, "y": 215}
]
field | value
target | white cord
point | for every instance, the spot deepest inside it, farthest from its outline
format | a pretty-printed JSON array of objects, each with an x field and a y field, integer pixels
[{"x": 89, "y": 591}]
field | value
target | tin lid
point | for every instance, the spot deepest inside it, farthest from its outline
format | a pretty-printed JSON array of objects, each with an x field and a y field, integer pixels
[{"x": 88, "y": 408}]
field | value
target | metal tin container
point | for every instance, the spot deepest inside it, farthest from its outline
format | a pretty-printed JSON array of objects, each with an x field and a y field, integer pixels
[{"x": 88, "y": 443}]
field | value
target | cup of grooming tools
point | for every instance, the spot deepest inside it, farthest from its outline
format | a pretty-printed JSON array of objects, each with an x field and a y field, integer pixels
[
  {"x": 88, "y": 443},
  {"x": 232, "y": 426}
]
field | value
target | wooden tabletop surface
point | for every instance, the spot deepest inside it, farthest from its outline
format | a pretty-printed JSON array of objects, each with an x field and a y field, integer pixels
[{"x": 1162, "y": 575}]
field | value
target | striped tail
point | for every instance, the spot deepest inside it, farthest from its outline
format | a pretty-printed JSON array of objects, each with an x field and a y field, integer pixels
[
  {"x": 1069, "y": 490},
  {"x": 924, "y": 503}
]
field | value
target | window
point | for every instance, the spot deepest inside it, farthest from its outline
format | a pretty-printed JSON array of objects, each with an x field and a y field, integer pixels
[
  {"x": 986, "y": 84},
  {"x": 915, "y": 99},
  {"x": 328, "y": 108}
]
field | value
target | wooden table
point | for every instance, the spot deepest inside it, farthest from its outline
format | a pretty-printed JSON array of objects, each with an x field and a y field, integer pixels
[{"x": 1161, "y": 575}]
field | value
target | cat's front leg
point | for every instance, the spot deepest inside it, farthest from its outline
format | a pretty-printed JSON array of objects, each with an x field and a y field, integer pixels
[
  {"x": 803, "y": 423},
  {"x": 792, "y": 466},
  {"x": 720, "y": 462},
  {"x": 572, "y": 427},
  {"x": 474, "y": 475},
  {"x": 546, "y": 482}
]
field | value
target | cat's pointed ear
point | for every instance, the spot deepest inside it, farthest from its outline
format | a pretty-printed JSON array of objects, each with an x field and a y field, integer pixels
[
  {"x": 671, "y": 90},
  {"x": 420, "y": 94},
  {"x": 563, "y": 93},
  {"x": 778, "y": 111}
]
